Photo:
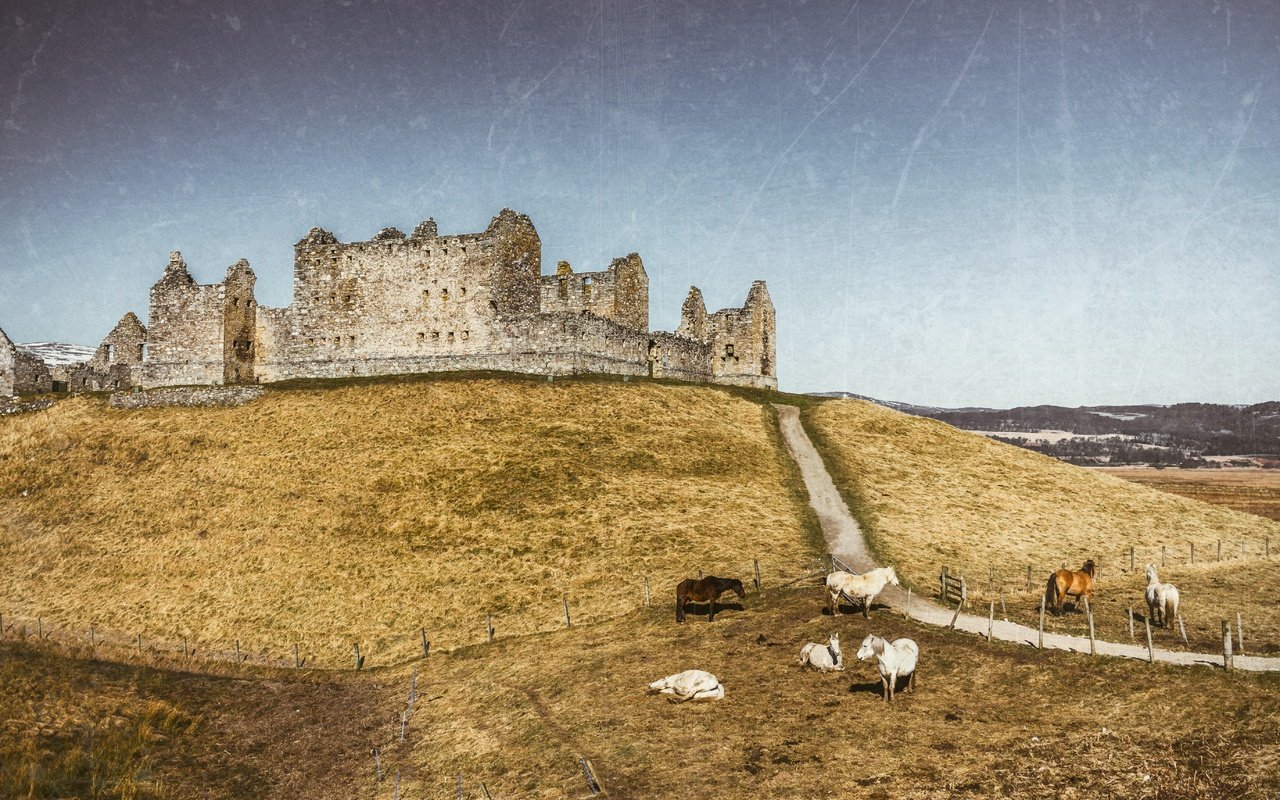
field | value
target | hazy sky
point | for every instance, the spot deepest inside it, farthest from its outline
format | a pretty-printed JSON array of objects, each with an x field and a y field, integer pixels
[{"x": 954, "y": 202}]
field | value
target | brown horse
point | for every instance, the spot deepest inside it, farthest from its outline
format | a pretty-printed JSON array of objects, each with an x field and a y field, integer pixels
[
  {"x": 1067, "y": 582},
  {"x": 705, "y": 590}
]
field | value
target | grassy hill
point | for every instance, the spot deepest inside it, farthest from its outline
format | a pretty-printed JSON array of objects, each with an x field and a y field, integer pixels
[
  {"x": 330, "y": 515},
  {"x": 933, "y": 495},
  {"x": 985, "y": 719}
]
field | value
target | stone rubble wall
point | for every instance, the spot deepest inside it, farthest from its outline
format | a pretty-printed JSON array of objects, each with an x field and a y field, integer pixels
[{"x": 187, "y": 396}]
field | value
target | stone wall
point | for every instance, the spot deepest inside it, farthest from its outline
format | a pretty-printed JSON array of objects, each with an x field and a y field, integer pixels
[
  {"x": 619, "y": 293},
  {"x": 186, "y": 342},
  {"x": 8, "y": 355}
]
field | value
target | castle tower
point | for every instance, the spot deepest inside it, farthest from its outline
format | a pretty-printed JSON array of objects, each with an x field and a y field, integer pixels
[
  {"x": 742, "y": 341},
  {"x": 693, "y": 316},
  {"x": 200, "y": 333}
]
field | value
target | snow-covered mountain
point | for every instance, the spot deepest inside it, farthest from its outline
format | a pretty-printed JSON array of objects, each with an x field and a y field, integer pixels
[{"x": 58, "y": 354}]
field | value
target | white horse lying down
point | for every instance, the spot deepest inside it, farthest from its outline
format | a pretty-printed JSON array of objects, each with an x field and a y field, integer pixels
[
  {"x": 692, "y": 684},
  {"x": 894, "y": 661},
  {"x": 823, "y": 659},
  {"x": 1162, "y": 599},
  {"x": 862, "y": 587}
]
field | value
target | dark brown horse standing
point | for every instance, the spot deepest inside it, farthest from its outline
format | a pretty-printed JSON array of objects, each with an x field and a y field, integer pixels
[
  {"x": 705, "y": 590},
  {"x": 1068, "y": 582}
]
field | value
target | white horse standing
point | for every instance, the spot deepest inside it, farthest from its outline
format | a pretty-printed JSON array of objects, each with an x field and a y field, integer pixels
[
  {"x": 894, "y": 660},
  {"x": 862, "y": 587},
  {"x": 823, "y": 659},
  {"x": 1162, "y": 599},
  {"x": 692, "y": 684}
]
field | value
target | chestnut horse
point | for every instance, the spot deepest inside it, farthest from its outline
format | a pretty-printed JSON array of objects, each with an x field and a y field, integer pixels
[
  {"x": 705, "y": 590},
  {"x": 1067, "y": 582}
]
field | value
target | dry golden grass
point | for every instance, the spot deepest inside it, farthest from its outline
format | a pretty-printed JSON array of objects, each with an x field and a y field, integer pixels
[
  {"x": 933, "y": 495},
  {"x": 72, "y": 726},
  {"x": 1253, "y": 491},
  {"x": 985, "y": 720},
  {"x": 329, "y": 515}
]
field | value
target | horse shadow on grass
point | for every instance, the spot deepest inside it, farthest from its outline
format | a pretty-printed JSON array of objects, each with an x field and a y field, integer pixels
[
  {"x": 852, "y": 610},
  {"x": 871, "y": 687},
  {"x": 700, "y": 609}
]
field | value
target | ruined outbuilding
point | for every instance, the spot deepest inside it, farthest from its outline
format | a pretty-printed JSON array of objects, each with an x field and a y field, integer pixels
[
  {"x": 21, "y": 373},
  {"x": 424, "y": 303}
]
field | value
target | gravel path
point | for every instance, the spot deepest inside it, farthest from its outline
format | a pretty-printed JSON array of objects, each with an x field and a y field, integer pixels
[{"x": 844, "y": 540}]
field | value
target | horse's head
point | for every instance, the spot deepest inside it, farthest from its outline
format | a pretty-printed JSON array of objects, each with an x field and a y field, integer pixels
[
  {"x": 893, "y": 576},
  {"x": 869, "y": 648},
  {"x": 1151, "y": 573},
  {"x": 736, "y": 586},
  {"x": 1089, "y": 567},
  {"x": 833, "y": 642}
]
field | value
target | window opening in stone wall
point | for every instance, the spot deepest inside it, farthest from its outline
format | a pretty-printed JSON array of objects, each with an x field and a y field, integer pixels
[
  {"x": 586, "y": 288},
  {"x": 426, "y": 295},
  {"x": 493, "y": 305},
  {"x": 111, "y": 352},
  {"x": 351, "y": 340},
  {"x": 142, "y": 352},
  {"x": 728, "y": 350},
  {"x": 435, "y": 336},
  {"x": 235, "y": 301},
  {"x": 346, "y": 298},
  {"x": 444, "y": 295},
  {"x": 450, "y": 337},
  {"x": 464, "y": 293},
  {"x": 464, "y": 248},
  {"x": 422, "y": 337},
  {"x": 466, "y": 335}
]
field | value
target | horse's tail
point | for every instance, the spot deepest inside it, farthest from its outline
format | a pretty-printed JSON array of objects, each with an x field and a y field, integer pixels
[
  {"x": 1170, "y": 607},
  {"x": 1051, "y": 591}
]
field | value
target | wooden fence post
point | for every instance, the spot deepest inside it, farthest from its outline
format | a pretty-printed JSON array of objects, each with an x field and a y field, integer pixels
[
  {"x": 1219, "y": 549},
  {"x": 1131, "y": 568},
  {"x": 359, "y": 658},
  {"x": 404, "y": 720},
  {"x": 1131, "y": 623},
  {"x": 1040, "y": 639},
  {"x": 139, "y": 644},
  {"x": 647, "y": 601},
  {"x": 426, "y": 645},
  {"x": 1093, "y": 647},
  {"x": 568, "y": 620},
  {"x": 1193, "y": 552},
  {"x": 942, "y": 585},
  {"x": 755, "y": 565},
  {"x": 1239, "y": 634},
  {"x": 186, "y": 648},
  {"x": 488, "y": 625},
  {"x": 1226, "y": 645},
  {"x": 991, "y": 621},
  {"x": 237, "y": 651},
  {"x": 1028, "y": 577},
  {"x": 377, "y": 764},
  {"x": 954, "y": 617},
  {"x": 1151, "y": 650},
  {"x": 39, "y": 629},
  {"x": 1162, "y": 555}
]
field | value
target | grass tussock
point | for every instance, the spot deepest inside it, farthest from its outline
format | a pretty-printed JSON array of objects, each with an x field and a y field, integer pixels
[
  {"x": 985, "y": 720},
  {"x": 933, "y": 495},
  {"x": 326, "y": 516}
]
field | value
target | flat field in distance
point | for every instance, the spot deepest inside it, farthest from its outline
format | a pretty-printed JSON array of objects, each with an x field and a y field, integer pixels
[
  {"x": 931, "y": 495},
  {"x": 1253, "y": 491},
  {"x": 327, "y": 516}
]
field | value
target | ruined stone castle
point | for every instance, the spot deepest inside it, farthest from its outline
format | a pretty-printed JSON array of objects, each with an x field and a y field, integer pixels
[{"x": 426, "y": 303}]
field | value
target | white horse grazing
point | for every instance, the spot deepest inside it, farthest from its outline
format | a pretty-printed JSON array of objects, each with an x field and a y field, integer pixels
[
  {"x": 692, "y": 684},
  {"x": 1162, "y": 599},
  {"x": 895, "y": 661},
  {"x": 823, "y": 659},
  {"x": 862, "y": 587}
]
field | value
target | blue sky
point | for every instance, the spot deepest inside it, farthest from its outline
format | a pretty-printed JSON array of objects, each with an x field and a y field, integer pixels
[{"x": 953, "y": 203}]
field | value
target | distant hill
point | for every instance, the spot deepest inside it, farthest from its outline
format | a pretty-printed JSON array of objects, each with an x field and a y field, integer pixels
[
  {"x": 58, "y": 354},
  {"x": 1185, "y": 434}
]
